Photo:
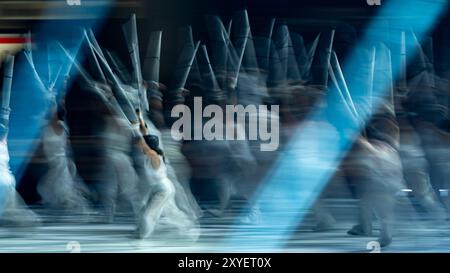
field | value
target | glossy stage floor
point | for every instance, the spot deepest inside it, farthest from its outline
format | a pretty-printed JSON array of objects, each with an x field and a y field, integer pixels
[{"x": 60, "y": 232}]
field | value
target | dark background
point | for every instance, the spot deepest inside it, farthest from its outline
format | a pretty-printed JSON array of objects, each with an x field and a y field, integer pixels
[{"x": 308, "y": 17}]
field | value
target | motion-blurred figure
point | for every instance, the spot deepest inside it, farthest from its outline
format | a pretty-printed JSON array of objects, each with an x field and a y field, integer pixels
[
  {"x": 13, "y": 210},
  {"x": 374, "y": 163},
  {"x": 60, "y": 187},
  {"x": 427, "y": 105},
  {"x": 157, "y": 191},
  {"x": 416, "y": 167}
]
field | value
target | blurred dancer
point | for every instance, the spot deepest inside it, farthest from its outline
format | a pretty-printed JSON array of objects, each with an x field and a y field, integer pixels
[
  {"x": 416, "y": 168},
  {"x": 251, "y": 164},
  {"x": 142, "y": 177},
  {"x": 374, "y": 163},
  {"x": 308, "y": 94},
  {"x": 237, "y": 180},
  {"x": 103, "y": 151},
  {"x": 217, "y": 165},
  {"x": 157, "y": 199},
  {"x": 156, "y": 189},
  {"x": 178, "y": 168},
  {"x": 427, "y": 105},
  {"x": 60, "y": 187},
  {"x": 13, "y": 210}
]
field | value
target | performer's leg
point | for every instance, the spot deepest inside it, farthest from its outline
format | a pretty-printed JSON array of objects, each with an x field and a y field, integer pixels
[
  {"x": 15, "y": 212},
  {"x": 224, "y": 190},
  {"x": 419, "y": 181},
  {"x": 324, "y": 218},
  {"x": 383, "y": 204},
  {"x": 175, "y": 217},
  {"x": 153, "y": 209},
  {"x": 364, "y": 226},
  {"x": 107, "y": 187}
]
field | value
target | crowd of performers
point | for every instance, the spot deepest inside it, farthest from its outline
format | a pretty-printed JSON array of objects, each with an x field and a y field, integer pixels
[{"x": 108, "y": 145}]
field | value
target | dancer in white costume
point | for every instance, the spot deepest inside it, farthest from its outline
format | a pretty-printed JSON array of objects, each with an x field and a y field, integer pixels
[
  {"x": 60, "y": 187},
  {"x": 177, "y": 168},
  {"x": 158, "y": 191},
  {"x": 13, "y": 210},
  {"x": 153, "y": 193}
]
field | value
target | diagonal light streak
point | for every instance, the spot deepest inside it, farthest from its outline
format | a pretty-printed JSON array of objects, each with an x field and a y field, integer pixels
[
  {"x": 29, "y": 103},
  {"x": 29, "y": 98}
]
